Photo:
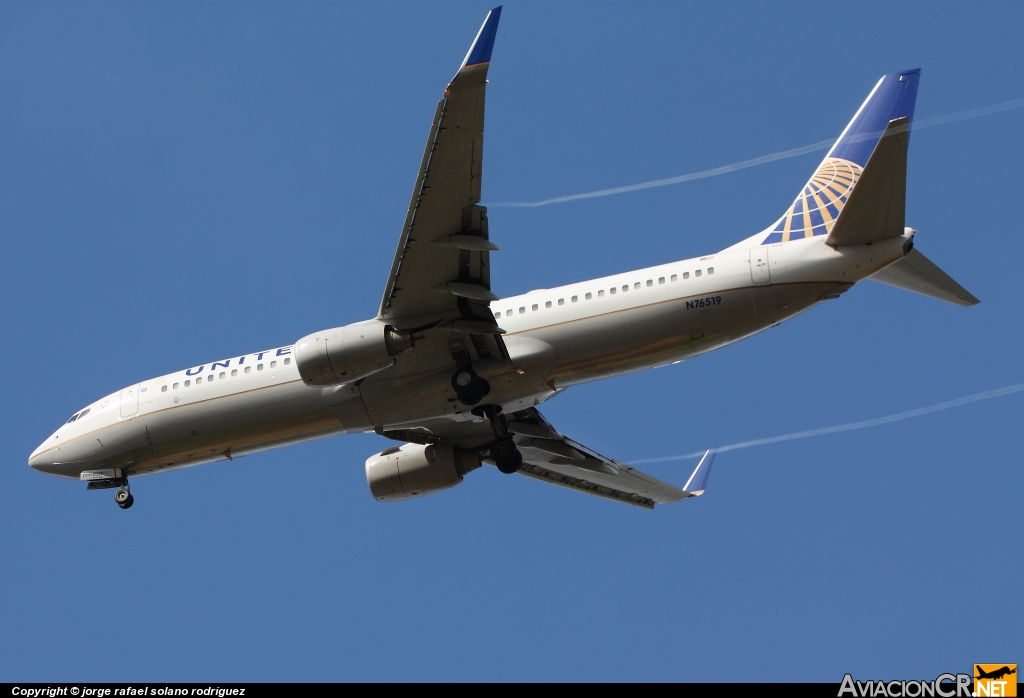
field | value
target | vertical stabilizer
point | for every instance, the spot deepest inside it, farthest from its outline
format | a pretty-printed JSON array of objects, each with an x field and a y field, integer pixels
[
  {"x": 876, "y": 208},
  {"x": 822, "y": 202}
]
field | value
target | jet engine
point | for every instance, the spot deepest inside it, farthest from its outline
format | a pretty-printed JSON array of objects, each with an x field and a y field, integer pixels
[
  {"x": 346, "y": 354},
  {"x": 413, "y": 470}
]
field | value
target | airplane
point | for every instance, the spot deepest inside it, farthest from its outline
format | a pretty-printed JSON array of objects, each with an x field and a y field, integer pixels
[
  {"x": 454, "y": 374},
  {"x": 995, "y": 674}
]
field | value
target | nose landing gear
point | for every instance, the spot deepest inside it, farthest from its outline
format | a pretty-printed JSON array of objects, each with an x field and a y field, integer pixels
[{"x": 124, "y": 498}]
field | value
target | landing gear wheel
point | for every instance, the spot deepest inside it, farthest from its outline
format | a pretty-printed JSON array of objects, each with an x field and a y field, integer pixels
[
  {"x": 469, "y": 387},
  {"x": 506, "y": 456},
  {"x": 483, "y": 387},
  {"x": 124, "y": 498},
  {"x": 465, "y": 380},
  {"x": 513, "y": 465}
]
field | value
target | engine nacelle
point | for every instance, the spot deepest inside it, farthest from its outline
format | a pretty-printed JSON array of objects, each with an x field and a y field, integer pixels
[
  {"x": 413, "y": 470},
  {"x": 346, "y": 354}
]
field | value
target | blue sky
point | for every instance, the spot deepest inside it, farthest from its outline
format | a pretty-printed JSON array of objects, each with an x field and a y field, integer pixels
[{"x": 181, "y": 182}]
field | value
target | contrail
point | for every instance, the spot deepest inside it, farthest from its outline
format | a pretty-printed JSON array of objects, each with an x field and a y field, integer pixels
[
  {"x": 714, "y": 172},
  {"x": 977, "y": 397},
  {"x": 772, "y": 157}
]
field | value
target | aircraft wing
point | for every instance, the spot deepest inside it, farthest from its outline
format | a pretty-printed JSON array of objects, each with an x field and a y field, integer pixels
[
  {"x": 550, "y": 457},
  {"x": 442, "y": 263}
]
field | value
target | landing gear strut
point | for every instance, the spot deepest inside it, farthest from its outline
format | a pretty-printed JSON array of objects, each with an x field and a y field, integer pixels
[
  {"x": 124, "y": 498},
  {"x": 468, "y": 386},
  {"x": 504, "y": 451}
]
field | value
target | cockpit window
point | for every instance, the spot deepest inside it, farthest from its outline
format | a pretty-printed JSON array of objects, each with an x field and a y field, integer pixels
[{"x": 78, "y": 415}]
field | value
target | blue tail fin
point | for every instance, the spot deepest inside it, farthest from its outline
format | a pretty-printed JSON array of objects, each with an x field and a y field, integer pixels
[
  {"x": 893, "y": 97},
  {"x": 817, "y": 208}
]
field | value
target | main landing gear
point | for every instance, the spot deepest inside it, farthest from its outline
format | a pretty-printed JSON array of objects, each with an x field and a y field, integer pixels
[
  {"x": 124, "y": 498},
  {"x": 506, "y": 455},
  {"x": 470, "y": 389},
  {"x": 468, "y": 386},
  {"x": 504, "y": 451}
]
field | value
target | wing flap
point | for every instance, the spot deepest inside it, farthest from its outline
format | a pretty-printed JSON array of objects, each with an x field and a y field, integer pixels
[{"x": 543, "y": 474}]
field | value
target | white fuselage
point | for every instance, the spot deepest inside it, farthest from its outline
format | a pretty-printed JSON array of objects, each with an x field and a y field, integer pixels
[{"x": 561, "y": 337}]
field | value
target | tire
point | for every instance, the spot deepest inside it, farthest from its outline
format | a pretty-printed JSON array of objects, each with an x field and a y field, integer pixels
[
  {"x": 468, "y": 386},
  {"x": 503, "y": 448},
  {"x": 465, "y": 382},
  {"x": 482, "y": 388},
  {"x": 506, "y": 456},
  {"x": 128, "y": 504},
  {"x": 122, "y": 496},
  {"x": 513, "y": 465}
]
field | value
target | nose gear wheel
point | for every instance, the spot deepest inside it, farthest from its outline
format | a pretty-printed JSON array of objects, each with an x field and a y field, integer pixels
[{"x": 124, "y": 498}]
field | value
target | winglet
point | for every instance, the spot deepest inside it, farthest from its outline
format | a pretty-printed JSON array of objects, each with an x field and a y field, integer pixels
[
  {"x": 480, "y": 52},
  {"x": 697, "y": 483}
]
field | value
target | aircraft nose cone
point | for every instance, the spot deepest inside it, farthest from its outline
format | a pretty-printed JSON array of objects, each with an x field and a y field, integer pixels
[{"x": 40, "y": 459}]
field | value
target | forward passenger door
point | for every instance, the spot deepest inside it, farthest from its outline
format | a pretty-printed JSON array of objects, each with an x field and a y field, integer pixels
[{"x": 130, "y": 401}]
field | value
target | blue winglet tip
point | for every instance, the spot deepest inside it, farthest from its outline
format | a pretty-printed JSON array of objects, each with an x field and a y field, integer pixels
[
  {"x": 483, "y": 44},
  {"x": 698, "y": 481}
]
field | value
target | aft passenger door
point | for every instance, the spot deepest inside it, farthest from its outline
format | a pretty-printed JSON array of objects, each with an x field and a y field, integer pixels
[
  {"x": 759, "y": 272},
  {"x": 130, "y": 401}
]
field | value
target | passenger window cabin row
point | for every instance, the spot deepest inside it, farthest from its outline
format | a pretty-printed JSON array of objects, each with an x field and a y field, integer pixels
[
  {"x": 600, "y": 294},
  {"x": 163, "y": 389},
  {"x": 222, "y": 375}
]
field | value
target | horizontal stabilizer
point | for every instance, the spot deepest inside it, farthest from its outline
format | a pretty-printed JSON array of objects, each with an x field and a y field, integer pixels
[
  {"x": 876, "y": 207},
  {"x": 917, "y": 273}
]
